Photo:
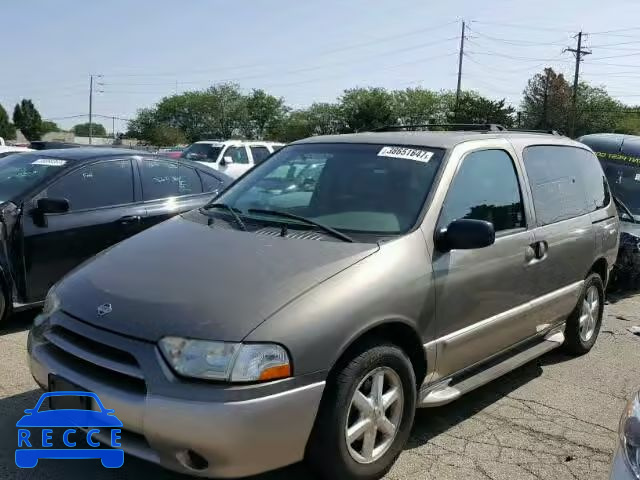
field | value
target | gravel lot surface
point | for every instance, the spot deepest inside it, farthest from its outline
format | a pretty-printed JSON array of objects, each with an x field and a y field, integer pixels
[{"x": 555, "y": 418}]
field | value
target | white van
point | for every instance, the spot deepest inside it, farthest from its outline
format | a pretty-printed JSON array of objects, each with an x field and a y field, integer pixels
[{"x": 232, "y": 157}]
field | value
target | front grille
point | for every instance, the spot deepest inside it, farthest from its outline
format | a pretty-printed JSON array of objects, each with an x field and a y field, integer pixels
[{"x": 111, "y": 365}]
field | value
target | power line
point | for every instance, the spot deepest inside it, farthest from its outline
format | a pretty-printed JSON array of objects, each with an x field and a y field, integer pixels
[
  {"x": 520, "y": 26},
  {"x": 326, "y": 52},
  {"x": 522, "y": 43}
]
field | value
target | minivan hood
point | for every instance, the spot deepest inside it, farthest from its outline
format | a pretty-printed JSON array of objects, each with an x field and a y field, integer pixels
[{"x": 185, "y": 278}]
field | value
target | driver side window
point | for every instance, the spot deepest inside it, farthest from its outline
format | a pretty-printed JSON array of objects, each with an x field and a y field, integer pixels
[
  {"x": 98, "y": 185},
  {"x": 486, "y": 187}
]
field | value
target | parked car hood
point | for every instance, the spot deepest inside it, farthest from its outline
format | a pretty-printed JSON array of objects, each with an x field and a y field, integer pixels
[
  {"x": 630, "y": 228},
  {"x": 186, "y": 278}
]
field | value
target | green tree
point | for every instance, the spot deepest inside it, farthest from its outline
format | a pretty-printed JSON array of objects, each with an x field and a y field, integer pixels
[
  {"x": 217, "y": 112},
  {"x": 547, "y": 102},
  {"x": 597, "y": 111},
  {"x": 7, "y": 130},
  {"x": 264, "y": 113},
  {"x": 165, "y": 135},
  {"x": 629, "y": 121},
  {"x": 82, "y": 130},
  {"x": 474, "y": 108},
  {"x": 27, "y": 118},
  {"x": 418, "y": 106},
  {"x": 366, "y": 108},
  {"x": 143, "y": 125},
  {"x": 318, "y": 119},
  {"x": 48, "y": 126}
]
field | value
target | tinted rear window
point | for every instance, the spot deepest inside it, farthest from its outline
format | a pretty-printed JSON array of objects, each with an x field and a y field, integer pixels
[{"x": 566, "y": 182}]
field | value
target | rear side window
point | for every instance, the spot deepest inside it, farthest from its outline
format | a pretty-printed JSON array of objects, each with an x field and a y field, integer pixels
[
  {"x": 93, "y": 186},
  {"x": 486, "y": 187},
  {"x": 161, "y": 179},
  {"x": 237, "y": 154},
  {"x": 566, "y": 182},
  {"x": 259, "y": 154}
]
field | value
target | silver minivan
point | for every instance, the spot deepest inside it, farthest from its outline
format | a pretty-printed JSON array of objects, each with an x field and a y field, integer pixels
[{"x": 308, "y": 310}]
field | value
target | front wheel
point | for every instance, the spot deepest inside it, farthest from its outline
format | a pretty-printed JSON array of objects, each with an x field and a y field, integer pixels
[
  {"x": 584, "y": 323},
  {"x": 366, "y": 415}
]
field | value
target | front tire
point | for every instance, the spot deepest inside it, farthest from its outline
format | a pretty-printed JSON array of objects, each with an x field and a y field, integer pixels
[
  {"x": 584, "y": 323},
  {"x": 366, "y": 415}
]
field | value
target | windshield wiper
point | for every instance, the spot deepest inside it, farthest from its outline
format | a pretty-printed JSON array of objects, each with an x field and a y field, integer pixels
[
  {"x": 325, "y": 228},
  {"x": 233, "y": 211},
  {"x": 622, "y": 205}
]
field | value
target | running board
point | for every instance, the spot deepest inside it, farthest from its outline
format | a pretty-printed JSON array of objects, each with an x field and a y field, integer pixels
[{"x": 443, "y": 393}]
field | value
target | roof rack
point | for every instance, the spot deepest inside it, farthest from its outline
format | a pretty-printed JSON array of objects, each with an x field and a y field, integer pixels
[
  {"x": 485, "y": 127},
  {"x": 527, "y": 130},
  {"x": 482, "y": 127}
]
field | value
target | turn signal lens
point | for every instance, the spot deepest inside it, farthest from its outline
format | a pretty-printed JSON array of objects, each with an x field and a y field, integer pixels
[{"x": 257, "y": 362}]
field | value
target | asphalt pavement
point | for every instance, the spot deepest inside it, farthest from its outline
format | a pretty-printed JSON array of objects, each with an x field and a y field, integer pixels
[{"x": 555, "y": 418}]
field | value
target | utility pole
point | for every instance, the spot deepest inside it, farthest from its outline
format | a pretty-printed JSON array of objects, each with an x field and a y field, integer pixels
[
  {"x": 458, "y": 90},
  {"x": 579, "y": 52},
  {"x": 113, "y": 127},
  {"x": 90, "y": 109},
  {"x": 91, "y": 105}
]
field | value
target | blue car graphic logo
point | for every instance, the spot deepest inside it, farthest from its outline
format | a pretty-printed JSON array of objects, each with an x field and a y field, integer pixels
[{"x": 36, "y": 430}]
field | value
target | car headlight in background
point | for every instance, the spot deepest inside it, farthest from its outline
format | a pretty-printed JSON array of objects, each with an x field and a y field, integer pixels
[
  {"x": 224, "y": 361},
  {"x": 630, "y": 434}
]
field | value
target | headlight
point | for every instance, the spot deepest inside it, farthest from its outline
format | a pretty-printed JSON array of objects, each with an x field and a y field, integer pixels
[
  {"x": 630, "y": 434},
  {"x": 51, "y": 303},
  {"x": 235, "y": 362}
]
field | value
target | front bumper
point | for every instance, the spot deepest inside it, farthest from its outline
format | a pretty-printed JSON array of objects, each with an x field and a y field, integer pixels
[{"x": 204, "y": 429}]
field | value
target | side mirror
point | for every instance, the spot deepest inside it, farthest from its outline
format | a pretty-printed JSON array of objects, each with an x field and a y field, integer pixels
[
  {"x": 53, "y": 205},
  {"x": 226, "y": 161},
  {"x": 465, "y": 234}
]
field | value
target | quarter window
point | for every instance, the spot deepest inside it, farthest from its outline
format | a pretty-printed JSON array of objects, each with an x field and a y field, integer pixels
[
  {"x": 210, "y": 182},
  {"x": 94, "y": 186},
  {"x": 161, "y": 179},
  {"x": 566, "y": 182},
  {"x": 485, "y": 188},
  {"x": 237, "y": 154}
]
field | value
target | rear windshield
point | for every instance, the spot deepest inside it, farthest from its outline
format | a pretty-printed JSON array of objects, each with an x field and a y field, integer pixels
[
  {"x": 202, "y": 152},
  {"x": 360, "y": 188}
]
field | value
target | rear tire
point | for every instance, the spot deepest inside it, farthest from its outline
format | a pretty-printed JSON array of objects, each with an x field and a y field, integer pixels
[
  {"x": 6, "y": 306},
  {"x": 584, "y": 323},
  {"x": 372, "y": 400}
]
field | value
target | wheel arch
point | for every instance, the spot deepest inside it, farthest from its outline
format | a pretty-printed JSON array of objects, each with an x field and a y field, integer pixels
[
  {"x": 601, "y": 267},
  {"x": 399, "y": 332}
]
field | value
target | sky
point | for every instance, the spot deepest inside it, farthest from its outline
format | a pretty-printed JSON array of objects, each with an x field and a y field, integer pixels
[{"x": 305, "y": 51}]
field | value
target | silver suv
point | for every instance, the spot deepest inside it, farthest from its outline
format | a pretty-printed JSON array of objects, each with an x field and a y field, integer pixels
[{"x": 307, "y": 318}]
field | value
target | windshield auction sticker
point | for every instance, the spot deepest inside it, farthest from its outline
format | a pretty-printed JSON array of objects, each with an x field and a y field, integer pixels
[
  {"x": 408, "y": 153},
  {"x": 49, "y": 162}
]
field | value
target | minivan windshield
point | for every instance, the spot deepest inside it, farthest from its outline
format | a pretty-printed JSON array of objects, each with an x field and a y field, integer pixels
[
  {"x": 22, "y": 171},
  {"x": 357, "y": 188},
  {"x": 624, "y": 180}
]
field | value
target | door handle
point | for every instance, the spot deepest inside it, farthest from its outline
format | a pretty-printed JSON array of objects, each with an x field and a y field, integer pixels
[
  {"x": 129, "y": 219},
  {"x": 537, "y": 251}
]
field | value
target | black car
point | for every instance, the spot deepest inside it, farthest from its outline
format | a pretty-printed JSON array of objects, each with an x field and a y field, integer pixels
[
  {"x": 61, "y": 207},
  {"x": 620, "y": 159}
]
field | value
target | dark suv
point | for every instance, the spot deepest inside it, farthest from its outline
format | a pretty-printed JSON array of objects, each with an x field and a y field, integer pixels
[{"x": 278, "y": 324}]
